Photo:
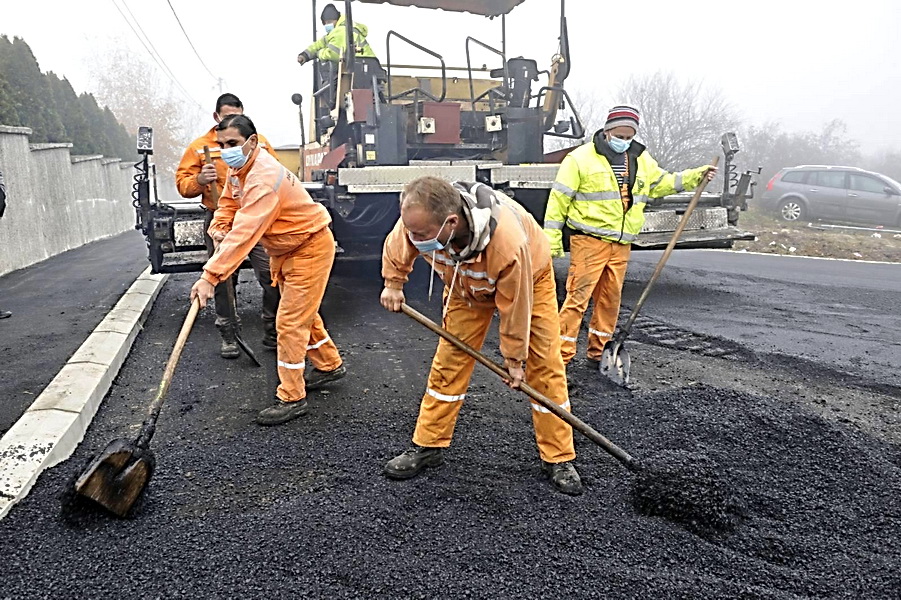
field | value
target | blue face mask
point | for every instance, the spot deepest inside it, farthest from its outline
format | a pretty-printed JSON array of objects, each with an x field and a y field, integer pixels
[
  {"x": 329, "y": 27},
  {"x": 234, "y": 157},
  {"x": 432, "y": 245},
  {"x": 619, "y": 146}
]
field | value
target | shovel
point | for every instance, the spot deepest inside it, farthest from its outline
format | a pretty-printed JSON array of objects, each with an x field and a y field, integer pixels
[
  {"x": 615, "y": 361},
  {"x": 229, "y": 284},
  {"x": 116, "y": 477},
  {"x": 575, "y": 422}
]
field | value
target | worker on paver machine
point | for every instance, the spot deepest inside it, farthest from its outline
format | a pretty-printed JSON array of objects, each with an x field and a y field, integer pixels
[
  {"x": 491, "y": 255},
  {"x": 195, "y": 178},
  {"x": 264, "y": 203}
]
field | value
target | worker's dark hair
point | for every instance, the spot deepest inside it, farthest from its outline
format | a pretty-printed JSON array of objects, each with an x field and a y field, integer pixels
[
  {"x": 240, "y": 122},
  {"x": 435, "y": 195},
  {"x": 228, "y": 100},
  {"x": 329, "y": 13}
]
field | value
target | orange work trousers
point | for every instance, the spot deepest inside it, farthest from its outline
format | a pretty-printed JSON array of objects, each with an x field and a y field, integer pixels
[
  {"x": 597, "y": 270},
  {"x": 452, "y": 369},
  {"x": 302, "y": 278}
]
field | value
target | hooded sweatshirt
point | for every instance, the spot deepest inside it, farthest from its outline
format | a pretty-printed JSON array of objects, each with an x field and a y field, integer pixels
[{"x": 506, "y": 254}]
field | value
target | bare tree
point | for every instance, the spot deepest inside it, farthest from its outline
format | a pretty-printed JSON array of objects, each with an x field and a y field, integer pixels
[
  {"x": 681, "y": 121},
  {"x": 134, "y": 91},
  {"x": 769, "y": 147}
]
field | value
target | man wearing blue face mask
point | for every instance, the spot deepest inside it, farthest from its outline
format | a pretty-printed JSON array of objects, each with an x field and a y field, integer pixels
[
  {"x": 332, "y": 45},
  {"x": 599, "y": 196}
]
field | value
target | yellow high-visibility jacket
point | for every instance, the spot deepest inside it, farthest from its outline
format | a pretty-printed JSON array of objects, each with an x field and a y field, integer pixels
[
  {"x": 587, "y": 199},
  {"x": 333, "y": 44}
]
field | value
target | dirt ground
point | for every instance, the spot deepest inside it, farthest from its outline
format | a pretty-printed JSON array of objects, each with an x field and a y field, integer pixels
[{"x": 816, "y": 239}]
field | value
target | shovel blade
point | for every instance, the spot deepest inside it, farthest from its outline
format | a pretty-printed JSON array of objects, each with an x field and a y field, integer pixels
[
  {"x": 116, "y": 478},
  {"x": 615, "y": 363},
  {"x": 247, "y": 350}
]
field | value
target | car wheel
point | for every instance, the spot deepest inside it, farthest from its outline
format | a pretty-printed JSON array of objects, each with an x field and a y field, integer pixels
[{"x": 792, "y": 210}]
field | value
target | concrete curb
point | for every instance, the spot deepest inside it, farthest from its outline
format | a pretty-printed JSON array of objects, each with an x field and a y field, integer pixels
[{"x": 53, "y": 426}]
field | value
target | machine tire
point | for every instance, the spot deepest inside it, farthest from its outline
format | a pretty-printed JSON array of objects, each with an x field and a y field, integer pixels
[{"x": 792, "y": 210}]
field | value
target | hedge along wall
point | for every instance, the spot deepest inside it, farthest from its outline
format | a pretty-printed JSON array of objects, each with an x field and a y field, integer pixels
[{"x": 56, "y": 201}]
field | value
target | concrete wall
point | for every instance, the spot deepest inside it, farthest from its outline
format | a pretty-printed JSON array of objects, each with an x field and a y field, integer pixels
[{"x": 56, "y": 201}]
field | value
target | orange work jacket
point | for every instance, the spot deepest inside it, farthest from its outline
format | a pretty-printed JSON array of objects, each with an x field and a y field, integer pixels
[
  {"x": 502, "y": 275},
  {"x": 262, "y": 202}
]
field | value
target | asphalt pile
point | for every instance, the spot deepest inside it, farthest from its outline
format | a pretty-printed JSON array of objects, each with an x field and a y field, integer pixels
[
  {"x": 691, "y": 490},
  {"x": 790, "y": 505}
]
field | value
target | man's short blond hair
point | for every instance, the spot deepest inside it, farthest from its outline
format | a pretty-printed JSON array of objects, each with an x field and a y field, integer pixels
[{"x": 435, "y": 195}]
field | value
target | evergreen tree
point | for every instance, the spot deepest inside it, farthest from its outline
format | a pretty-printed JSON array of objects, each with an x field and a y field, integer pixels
[
  {"x": 8, "y": 113},
  {"x": 30, "y": 89}
]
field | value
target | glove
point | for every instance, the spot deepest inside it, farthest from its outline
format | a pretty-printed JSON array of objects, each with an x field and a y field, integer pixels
[{"x": 302, "y": 58}]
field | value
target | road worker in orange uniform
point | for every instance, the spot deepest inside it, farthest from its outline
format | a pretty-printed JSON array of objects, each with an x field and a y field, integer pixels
[
  {"x": 491, "y": 255},
  {"x": 599, "y": 195},
  {"x": 265, "y": 203},
  {"x": 195, "y": 178}
]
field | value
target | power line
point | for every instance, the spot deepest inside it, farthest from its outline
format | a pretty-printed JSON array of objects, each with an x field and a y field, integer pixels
[
  {"x": 190, "y": 43},
  {"x": 159, "y": 61}
]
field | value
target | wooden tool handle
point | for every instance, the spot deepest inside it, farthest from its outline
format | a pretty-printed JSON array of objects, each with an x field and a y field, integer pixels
[
  {"x": 149, "y": 425},
  {"x": 624, "y": 332},
  {"x": 576, "y": 423},
  {"x": 208, "y": 160}
]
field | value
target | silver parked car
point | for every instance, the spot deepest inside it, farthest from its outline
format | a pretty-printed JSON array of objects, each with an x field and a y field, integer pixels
[{"x": 829, "y": 193}]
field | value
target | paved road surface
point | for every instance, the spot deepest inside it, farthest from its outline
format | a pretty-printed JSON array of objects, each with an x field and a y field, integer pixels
[
  {"x": 835, "y": 312},
  {"x": 56, "y": 304}
]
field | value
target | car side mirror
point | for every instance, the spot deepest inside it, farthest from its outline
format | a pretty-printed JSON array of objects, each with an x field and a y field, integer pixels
[{"x": 890, "y": 191}]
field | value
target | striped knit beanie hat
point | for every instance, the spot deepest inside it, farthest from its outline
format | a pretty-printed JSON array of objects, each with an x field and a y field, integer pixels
[{"x": 622, "y": 115}]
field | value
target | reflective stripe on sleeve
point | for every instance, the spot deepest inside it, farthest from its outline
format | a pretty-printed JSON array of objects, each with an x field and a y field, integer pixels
[
  {"x": 678, "y": 184},
  {"x": 553, "y": 224},
  {"x": 444, "y": 397},
  {"x": 656, "y": 183},
  {"x": 566, "y": 191}
]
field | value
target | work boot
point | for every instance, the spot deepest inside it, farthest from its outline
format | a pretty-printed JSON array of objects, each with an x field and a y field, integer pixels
[
  {"x": 5, "y": 314},
  {"x": 229, "y": 349},
  {"x": 317, "y": 378},
  {"x": 270, "y": 338},
  {"x": 412, "y": 461},
  {"x": 564, "y": 477},
  {"x": 282, "y": 412},
  {"x": 593, "y": 363}
]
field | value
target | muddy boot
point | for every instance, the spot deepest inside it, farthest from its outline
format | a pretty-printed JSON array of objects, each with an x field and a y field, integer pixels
[
  {"x": 270, "y": 338},
  {"x": 282, "y": 412},
  {"x": 564, "y": 477},
  {"x": 412, "y": 461},
  {"x": 229, "y": 347},
  {"x": 318, "y": 378}
]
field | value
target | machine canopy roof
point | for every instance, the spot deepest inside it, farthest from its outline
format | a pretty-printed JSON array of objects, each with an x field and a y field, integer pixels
[{"x": 489, "y": 8}]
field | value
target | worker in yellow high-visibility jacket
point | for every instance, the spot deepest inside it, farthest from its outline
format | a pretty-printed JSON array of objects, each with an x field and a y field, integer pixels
[{"x": 600, "y": 194}]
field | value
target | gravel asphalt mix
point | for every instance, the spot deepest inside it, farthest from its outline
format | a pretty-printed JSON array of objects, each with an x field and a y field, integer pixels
[{"x": 302, "y": 510}]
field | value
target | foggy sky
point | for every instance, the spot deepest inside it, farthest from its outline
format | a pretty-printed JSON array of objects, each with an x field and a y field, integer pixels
[{"x": 799, "y": 63}]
